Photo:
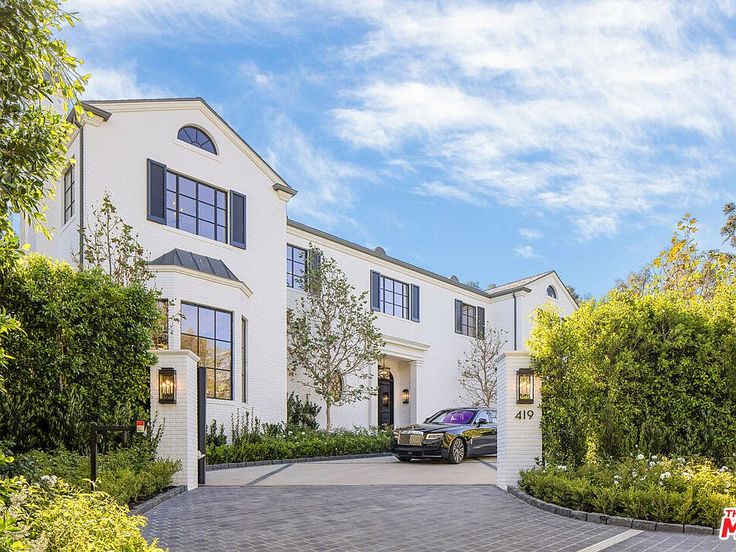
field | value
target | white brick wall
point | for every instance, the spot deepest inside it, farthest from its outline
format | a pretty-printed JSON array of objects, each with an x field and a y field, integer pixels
[
  {"x": 519, "y": 440},
  {"x": 179, "y": 438}
]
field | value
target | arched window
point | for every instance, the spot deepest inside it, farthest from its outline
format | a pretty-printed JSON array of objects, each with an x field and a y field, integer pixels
[
  {"x": 551, "y": 292},
  {"x": 196, "y": 137}
]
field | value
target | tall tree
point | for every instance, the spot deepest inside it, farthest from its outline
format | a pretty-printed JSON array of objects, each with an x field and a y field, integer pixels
[
  {"x": 111, "y": 245},
  {"x": 684, "y": 267},
  {"x": 333, "y": 344},
  {"x": 36, "y": 73},
  {"x": 477, "y": 369},
  {"x": 728, "y": 231}
]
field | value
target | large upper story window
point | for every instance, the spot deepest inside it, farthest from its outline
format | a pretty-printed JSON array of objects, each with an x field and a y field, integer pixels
[
  {"x": 551, "y": 292},
  {"x": 196, "y": 137},
  {"x": 196, "y": 207},
  {"x": 394, "y": 297},
  {"x": 468, "y": 325},
  {"x": 296, "y": 266},
  {"x": 207, "y": 332},
  {"x": 469, "y": 319},
  {"x": 68, "y": 194}
]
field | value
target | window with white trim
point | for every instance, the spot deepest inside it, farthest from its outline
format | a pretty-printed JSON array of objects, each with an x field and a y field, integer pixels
[
  {"x": 394, "y": 297},
  {"x": 68, "y": 194}
]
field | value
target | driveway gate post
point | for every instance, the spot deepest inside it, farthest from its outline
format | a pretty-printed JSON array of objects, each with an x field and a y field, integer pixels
[
  {"x": 174, "y": 405},
  {"x": 519, "y": 433}
]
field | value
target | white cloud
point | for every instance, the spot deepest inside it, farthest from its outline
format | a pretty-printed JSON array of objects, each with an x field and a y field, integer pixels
[
  {"x": 602, "y": 110},
  {"x": 118, "y": 83},
  {"x": 525, "y": 251},
  {"x": 593, "y": 226},
  {"x": 325, "y": 184},
  {"x": 255, "y": 75},
  {"x": 530, "y": 233},
  {"x": 440, "y": 189}
]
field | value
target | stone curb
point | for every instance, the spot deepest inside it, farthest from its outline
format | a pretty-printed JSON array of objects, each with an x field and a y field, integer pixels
[
  {"x": 143, "y": 507},
  {"x": 214, "y": 467},
  {"x": 604, "y": 519}
]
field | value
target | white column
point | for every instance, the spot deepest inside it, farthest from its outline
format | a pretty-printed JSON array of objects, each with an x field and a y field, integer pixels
[
  {"x": 179, "y": 438},
  {"x": 519, "y": 433},
  {"x": 417, "y": 414}
]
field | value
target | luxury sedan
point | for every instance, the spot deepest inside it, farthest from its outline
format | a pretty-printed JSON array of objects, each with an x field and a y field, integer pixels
[{"x": 451, "y": 434}]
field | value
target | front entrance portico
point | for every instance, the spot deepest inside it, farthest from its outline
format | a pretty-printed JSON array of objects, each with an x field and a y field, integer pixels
[{"x": 398, "y": 382}]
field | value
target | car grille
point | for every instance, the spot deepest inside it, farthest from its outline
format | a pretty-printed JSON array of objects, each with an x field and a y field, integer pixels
[{"x": 411, "y": 438}]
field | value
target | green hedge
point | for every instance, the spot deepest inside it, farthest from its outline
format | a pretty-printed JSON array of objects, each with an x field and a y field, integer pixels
[
  {"x": 83, "y": 355},
  {"x": 656, "y": 489},
  {"x": 300, "y": 444},
  {"x": 653, "y": 373}
]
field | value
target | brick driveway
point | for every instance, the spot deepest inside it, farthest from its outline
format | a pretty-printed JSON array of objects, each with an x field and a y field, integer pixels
[{"x": 289, "y": 517}]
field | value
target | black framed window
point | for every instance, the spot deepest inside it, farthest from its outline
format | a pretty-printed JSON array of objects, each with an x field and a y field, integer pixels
[
  {"x": 196, "y": 207},
  {"x": 296, "y": 266},
  {"x": 68, "y": 194},
  {"x": 207, "y": 332},
  {"x": 244, "y": 356},
  {"x": 468, "y": 320},
  {"x": 394, "y": 297},
  {"x": 196, "y": 137}
]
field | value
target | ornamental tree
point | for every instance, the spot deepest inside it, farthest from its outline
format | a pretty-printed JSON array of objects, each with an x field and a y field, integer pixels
[
  {"x": 111, "y": 245},
  {"x": 332, "y": 340},
  {"x": 477, "y": 369}
]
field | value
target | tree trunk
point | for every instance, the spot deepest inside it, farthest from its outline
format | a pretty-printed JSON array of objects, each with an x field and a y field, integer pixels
[{"x": 328, "y": 422}]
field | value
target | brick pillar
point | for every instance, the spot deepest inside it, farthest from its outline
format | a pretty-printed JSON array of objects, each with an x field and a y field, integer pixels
[
  {"x": 417, "y": 414},
  {"x": 519, "y": 436},
  {"x": 179, "y": 439}
]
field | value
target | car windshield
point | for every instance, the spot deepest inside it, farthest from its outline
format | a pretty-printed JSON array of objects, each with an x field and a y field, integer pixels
[{"x": 459, "y": 416}]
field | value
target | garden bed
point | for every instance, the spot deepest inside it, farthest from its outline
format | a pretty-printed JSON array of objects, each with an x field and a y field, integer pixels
[{"x": 666, "y": 491}]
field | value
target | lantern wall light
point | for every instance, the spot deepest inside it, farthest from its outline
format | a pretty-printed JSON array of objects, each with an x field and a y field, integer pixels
[
  {"x": 405, "y": 396},
  {"x": 167, "y": 386},
  {"x": 525, "y": 386}
]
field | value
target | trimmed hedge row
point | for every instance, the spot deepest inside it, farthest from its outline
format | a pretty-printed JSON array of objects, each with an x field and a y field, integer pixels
[{"x": 303, "y": 444}]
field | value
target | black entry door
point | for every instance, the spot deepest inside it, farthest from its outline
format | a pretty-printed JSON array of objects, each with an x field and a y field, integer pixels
[{"x": 385, "y": 402}]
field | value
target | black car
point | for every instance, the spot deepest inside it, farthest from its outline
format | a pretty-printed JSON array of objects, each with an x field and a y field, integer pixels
[{"x": 452, "y": 434}]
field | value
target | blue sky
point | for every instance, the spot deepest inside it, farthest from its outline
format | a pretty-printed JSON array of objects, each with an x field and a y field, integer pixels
[{"x": 490, "y": 141}]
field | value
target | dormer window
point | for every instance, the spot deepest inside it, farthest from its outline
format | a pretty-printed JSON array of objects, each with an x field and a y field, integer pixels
[
  {"x": 551, "y": 292},
  {"x": 196, "y": 137}
]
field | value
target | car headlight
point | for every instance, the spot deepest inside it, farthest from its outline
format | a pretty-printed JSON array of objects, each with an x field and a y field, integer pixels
[{"x": 433, "y": 436}]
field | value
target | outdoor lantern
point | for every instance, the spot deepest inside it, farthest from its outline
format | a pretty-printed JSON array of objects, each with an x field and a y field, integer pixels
[
  {"x": 405, "y": 396},
  {"x": 384, "y": 399},
  {"x": 525, "y": 386},
  {"x": 167, "y": 386}
]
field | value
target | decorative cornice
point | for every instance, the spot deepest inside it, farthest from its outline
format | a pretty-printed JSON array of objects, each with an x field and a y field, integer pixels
[{"x": 164, "y": 269}]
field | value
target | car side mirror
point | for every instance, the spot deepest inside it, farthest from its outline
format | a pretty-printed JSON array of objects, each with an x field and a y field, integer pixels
[
  {"x": 482, "y": 421},
  {"x": 426, "y": 420}
]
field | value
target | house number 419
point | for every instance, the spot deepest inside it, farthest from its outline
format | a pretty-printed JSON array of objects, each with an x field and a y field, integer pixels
[{"x": 524, "y": 415}]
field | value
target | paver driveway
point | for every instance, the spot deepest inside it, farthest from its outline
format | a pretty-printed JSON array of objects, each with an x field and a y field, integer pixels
[{"x": 266, "y": 510}]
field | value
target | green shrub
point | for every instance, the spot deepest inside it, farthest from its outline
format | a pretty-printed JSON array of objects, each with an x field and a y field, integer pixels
[
  {"x": 301, "y": 414},
  {"x": 641, "y": 487},
  {"x": 129, "y": 475},
  {"x": 302, "y": 444},
  {"x": 83, "y": 355},
  {"x": 50, "y": 515},
  {"x": 651, "y": 373}
]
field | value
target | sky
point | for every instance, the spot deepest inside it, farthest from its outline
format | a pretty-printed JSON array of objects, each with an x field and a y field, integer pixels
[{"x": 490, "y": 141}]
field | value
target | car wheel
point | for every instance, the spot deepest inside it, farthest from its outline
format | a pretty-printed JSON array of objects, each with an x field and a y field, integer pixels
[
  {"x": 403, "y": 458},
  {"x": 457, "y": 451}
]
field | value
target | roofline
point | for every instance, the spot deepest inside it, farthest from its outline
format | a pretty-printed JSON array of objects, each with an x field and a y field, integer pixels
[
  {"x": 373, "y": 253},
  {"x": 285, "y": 187},
  {"x": 104, "y": 115}
]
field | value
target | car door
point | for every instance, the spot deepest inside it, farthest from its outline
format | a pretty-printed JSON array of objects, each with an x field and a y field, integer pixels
[{"x": 484, "y": 440}]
